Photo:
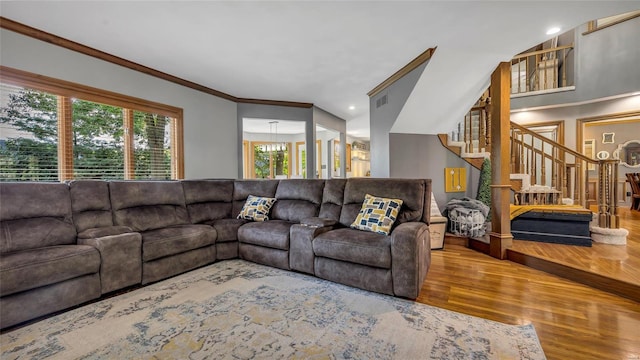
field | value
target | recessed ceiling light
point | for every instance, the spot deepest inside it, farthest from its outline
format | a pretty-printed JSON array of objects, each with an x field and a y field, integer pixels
[
  {"x": 553, "y": 30},
  {"x": 352, "y": 107}
]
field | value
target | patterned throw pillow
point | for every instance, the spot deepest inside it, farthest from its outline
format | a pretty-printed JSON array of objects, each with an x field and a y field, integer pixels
[
  {"x": 377, "y": 214},
  {"x": 256, "y": 208}
]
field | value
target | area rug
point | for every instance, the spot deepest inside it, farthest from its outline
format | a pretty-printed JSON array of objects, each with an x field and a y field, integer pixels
[{"x": 240, "y": 310}]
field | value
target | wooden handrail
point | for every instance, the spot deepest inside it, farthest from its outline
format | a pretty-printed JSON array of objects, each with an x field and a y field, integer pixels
[
  {"x": 538, "y": 52},
  {"x": 560, "y": 146}
]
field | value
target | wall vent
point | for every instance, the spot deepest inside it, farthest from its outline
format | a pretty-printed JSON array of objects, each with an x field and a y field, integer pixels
[{"x": 381, "y": 101}]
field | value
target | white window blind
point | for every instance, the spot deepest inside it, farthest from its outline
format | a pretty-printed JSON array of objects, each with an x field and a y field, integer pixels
[
  {"x": 30, "y": 143},
  {"x": 152, "y": 145},
  {"x": 28, "y": 135}
]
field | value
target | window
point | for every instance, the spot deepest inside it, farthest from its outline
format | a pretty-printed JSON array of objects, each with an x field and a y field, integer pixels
[
  {"x": 28, "y": 135},
  {"x": 52, "y": 130},
  {"x": 270, "y": 160},
  {"x": 602, "y": 23}
]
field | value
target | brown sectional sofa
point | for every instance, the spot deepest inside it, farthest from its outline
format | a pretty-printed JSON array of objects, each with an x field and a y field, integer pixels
[{"x": 65, "y": 244}]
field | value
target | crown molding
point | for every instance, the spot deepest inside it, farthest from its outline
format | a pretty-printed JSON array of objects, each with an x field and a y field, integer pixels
[
  {"x": 419, "y": 60},
  {"x": 38, "y": 34},
  {"x": 274, "y": 102}
]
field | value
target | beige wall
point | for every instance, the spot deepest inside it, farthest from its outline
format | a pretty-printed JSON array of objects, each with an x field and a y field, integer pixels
[{"x": 623, "y": 132}]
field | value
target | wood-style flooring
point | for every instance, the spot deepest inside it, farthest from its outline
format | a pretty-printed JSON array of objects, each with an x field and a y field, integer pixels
[
  {"x": 573, "y": 321},
  {"x": 613, "y": 268}
]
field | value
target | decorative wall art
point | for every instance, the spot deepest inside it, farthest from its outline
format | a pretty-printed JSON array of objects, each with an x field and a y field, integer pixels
[
  {"x": 608, "y": 138},
  {"x": 602, "y": 155},
  {"x": 628, "y": 154}
]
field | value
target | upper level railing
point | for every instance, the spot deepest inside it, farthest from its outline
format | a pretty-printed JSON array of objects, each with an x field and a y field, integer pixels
[{"x": 541, "y": 70}]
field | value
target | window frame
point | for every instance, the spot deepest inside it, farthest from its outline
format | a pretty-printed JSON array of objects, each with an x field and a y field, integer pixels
[
  {"x": 592, "y": 26},
  {"x": 65, "y": 90},
  {"x": 250, "y": 159}
]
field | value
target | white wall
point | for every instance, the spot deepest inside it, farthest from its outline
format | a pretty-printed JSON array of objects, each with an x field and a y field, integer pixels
[
  {"x": 325, "y": 136},
  {"x": 210, "y": 125}
]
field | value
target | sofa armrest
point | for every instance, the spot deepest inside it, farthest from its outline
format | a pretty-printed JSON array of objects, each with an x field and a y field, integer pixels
[
  {"x": 121, "y": 260},
  {"x": 301, "y": 255},
  {"x": 104, "y": 231},
  {"x": 317, "y": 222},
  {"x": 410, "y": 258}
]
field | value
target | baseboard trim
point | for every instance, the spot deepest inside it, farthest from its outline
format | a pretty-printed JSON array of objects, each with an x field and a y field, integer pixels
[
  {"x": 479, "y": 246},
  {"x": 614, "y": 286}
]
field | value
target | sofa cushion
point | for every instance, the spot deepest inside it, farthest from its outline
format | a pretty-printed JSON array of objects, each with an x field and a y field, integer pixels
[
  {"x": 29, "y": 269},
  {"x": 273, "y": 234},
  {"x": 29, "y": 200},
  {"x": 202, "y": 212},
  {"x": 99, "y": 232},
  {"x": 90, "y": 204},
  {"x": 33, "y": 215},
  {"x": 208, "y": 199},
  {"x": 377, "y": 214},
  {"x": 227, "y": 229},
  {"x": 297, "y": 199},
  {"x": 35, "y": 233},
  {"x": 411, "y": 191},
  {"x": 243, "y": 188},
  {"x": 332, "y": 199},
  {"x": 148, "y": 205},
  {"x": 175, "y": 239},
  {"x": 256, "y": 208},
  {"x": 356, "y": 246}
]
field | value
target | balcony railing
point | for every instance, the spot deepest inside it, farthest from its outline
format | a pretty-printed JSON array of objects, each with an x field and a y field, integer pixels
[{"x": 541, "y": 70}]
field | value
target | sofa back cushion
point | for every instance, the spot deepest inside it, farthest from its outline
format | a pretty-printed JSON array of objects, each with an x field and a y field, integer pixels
[
  {"x": 208, "y": 200},
  {"x": 148, "y": 205},
  {"x": 34, "y": 215},
  {"x": 90, "y": 204},
  {"x": 332, "y": 199},
  {"x": 297, "y": 199},
  {"x": 413, "y": 193},
  {"x": 243, "y": 188}
]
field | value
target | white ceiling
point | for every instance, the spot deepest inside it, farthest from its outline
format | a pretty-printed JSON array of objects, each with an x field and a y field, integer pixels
[{"x": 327, "y": 53}]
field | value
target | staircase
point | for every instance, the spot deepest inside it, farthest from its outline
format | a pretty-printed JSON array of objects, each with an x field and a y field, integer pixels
[{"x": 543, "y": 172}]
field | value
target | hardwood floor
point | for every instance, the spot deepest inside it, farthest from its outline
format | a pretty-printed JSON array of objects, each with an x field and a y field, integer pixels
[
  {"x": 573, "y": 321},
  {"x": 612, "y": 268}
]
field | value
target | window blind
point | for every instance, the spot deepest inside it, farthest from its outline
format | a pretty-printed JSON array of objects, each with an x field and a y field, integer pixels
[
  {"x": 28, "y": 135},
  {"x": 152, "y": 145},
  {"x": 96, "y": 137}
]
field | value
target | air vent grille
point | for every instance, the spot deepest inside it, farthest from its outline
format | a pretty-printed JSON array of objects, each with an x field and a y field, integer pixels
[{"x": 381, "y": 101}]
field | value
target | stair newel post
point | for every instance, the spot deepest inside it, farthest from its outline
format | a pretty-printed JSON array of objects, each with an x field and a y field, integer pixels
[
  {"x": 500, "y": 236},
  {"x": 607, "y": 194},
  {"x": 615, "y": 220}
]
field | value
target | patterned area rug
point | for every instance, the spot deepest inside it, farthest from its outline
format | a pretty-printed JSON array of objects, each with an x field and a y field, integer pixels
[{"x": 240, "y": 310}]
